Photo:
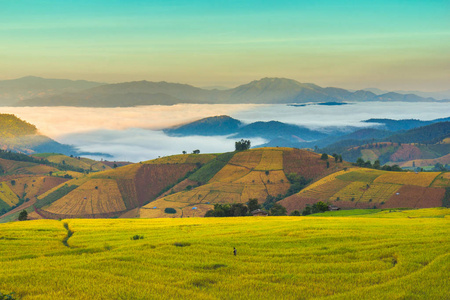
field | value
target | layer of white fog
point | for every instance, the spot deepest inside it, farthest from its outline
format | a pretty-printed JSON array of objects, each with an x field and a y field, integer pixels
[{"x": 134, "y": 133}]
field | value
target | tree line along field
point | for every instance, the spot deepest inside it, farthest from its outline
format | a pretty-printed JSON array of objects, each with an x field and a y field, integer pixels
[{"x": 382, "y": 255}]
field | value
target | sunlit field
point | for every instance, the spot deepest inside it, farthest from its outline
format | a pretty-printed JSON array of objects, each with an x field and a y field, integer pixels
[{"x": 376, "y": 255}]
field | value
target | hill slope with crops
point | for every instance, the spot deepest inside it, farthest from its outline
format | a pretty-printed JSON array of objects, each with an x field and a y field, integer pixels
[
  {"x": 369, "y": 188},
  {"x": 189, "y": 185},
  {"x": 237, "y": 177}
]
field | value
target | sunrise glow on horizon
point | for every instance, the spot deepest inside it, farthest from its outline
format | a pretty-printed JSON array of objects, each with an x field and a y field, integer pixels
[{"x": 350, "y": 44}]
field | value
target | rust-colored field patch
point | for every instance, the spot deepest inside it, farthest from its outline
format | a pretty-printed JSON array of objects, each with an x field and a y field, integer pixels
[
  {"x": 416, "y": 197},
  {"x": 309, "y": 165}
]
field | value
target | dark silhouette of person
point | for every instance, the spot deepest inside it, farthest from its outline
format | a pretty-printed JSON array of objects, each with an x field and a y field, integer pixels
[{"x": 234, "y": 251}]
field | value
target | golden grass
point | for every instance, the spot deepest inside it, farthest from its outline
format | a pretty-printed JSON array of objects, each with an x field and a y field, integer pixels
[
  {"x": 420, "y": 179},
  {"x": 388, "y": 255}
]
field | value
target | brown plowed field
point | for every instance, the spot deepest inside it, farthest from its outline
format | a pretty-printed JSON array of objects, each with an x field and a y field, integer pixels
[
  {"x": 308, "y": 164},
  {"x": 416, "y": 197},
  {"x": 152, "y": 179}
]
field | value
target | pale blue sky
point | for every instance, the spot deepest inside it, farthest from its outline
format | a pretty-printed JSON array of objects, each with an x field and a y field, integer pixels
[{"x": 353, "y": 44}]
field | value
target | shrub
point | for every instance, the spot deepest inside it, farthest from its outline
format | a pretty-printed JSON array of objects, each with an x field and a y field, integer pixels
[
  {"x": 23, "y": 216},
  {"x": 137, "y": 237},
  {"x": 181, "y": 244},
  {"x": 295, "y": 213},
  {"x": 7, "y": 296},
  {"x": 170, "y": 210}
]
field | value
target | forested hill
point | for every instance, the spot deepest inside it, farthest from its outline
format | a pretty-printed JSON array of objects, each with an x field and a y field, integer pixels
[
  {"x": 12, "y": 126},
  {"x": 20, "y": 136}
]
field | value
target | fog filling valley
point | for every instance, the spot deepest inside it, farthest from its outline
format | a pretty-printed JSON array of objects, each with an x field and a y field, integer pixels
[{"x": 134, "y": 133}]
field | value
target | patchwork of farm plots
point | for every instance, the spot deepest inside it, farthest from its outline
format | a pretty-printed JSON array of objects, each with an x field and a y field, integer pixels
[
  {"x": 365, "y": 188},
  {"x": 249, "y": 174},
  {"x": 385, "y": 255}
]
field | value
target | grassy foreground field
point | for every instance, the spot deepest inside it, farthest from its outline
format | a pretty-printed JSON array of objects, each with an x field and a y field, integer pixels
[{"x": 384, "y": 255}]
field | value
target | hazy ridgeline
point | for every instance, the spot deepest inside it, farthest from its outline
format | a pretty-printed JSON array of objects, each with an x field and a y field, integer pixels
[{"x": 386, "y": 255}]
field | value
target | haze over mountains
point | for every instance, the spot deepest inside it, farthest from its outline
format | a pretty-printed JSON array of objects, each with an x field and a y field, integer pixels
[
  {"x": 33, "y": 91},
  {"x": 439, "y": 95},
  {"x": 14, "y": 90}
]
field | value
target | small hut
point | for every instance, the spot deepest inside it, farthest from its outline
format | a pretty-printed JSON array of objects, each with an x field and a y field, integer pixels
[
  {"x": 259, "y": 213},
  {"x": 333, "y": 208}
]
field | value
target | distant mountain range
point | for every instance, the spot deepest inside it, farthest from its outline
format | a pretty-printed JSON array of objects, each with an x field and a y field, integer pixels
[
  {"x": 34, "y": 91},
  {"x": 440, "y": 95},
  {"x": 429, "y": 134},
  {"x": 225, "y": 125},
  {"x": 16, "y": 90}
]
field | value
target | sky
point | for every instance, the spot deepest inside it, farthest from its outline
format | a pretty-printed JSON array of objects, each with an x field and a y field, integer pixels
[{"x": 351, "y": 44}]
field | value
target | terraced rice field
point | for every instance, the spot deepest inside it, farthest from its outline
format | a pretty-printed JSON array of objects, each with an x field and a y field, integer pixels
[
  {"x": 248, "y": 174},
  {"x": 411, "y": 178},
  {"x": 7, "y": 195},
  {"x": 368, "y": 188},
  {"x": 385, "y": 255},
  {"x": 442, "y": 180},
  {"x": 82, "y": 162},
  {"x": 96, "y": 196}
]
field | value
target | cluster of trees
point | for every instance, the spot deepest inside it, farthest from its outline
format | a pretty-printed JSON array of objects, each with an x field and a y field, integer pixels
[
  {"x": 242, "y": 145},
  {"x": 240, "y": 210},
  {"x": 440, "y": 167},
  {"x": 376, "y": 165},
  {"x": 312, "y": 209},
  {"x": 337, "y": 157}
]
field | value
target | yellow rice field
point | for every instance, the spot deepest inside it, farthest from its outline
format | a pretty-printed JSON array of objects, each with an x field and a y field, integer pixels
[{"x": 387, "y": 255}]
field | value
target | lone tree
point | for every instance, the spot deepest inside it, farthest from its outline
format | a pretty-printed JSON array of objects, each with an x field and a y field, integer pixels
[
  {"x": 324, "y": 156},
  {"x": 242, "y": 145},
  {"x": 23, "y": 216}
]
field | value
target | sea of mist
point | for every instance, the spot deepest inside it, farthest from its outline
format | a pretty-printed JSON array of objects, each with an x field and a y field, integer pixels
[{"x": 134, "y": 133}]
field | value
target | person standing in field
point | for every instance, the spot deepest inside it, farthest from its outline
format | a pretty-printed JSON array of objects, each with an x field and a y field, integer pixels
[{"x": 234, "y": 251}]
